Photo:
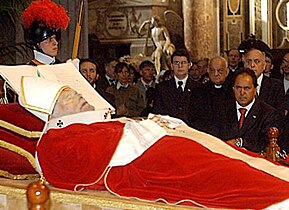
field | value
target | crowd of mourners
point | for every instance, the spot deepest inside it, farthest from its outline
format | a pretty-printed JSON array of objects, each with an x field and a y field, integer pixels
[
  {"x": 235, "y": 97},
  {"x": 207, "y": 95}
]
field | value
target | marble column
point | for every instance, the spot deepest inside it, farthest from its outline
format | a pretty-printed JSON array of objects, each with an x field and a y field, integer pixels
[{"x": 201, "y": 28}]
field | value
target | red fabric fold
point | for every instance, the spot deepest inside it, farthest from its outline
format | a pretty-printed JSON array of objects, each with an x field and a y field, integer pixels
[
  {"x": 173, "y": 169},
  {"x": 176, "y": 168},
  {"x": 18, "y": 116},
  {"x": 12, "y": 160},
  {"x": 78, "y": 154}
]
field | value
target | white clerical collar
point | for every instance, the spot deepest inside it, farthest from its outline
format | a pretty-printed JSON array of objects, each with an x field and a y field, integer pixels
[
  {"x": 82, "y": 117},
  {"x": 183, "y": 80},
  {"x": 42, "y": 58},
  {"x": 119, "y": 85},
  {"x": 233, "y": 69},
  {"x": 218, "y": 86},
  {"x": 259, "y": 82}
]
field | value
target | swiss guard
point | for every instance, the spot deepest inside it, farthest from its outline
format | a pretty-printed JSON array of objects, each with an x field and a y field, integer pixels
[{"x": 43, "y": 22}]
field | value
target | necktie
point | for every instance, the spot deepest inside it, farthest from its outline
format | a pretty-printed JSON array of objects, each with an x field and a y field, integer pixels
[
  {"x": 242, "y": 118},
  {"x": 180, "y": 88},
  {"x": 112, "y": 81}
]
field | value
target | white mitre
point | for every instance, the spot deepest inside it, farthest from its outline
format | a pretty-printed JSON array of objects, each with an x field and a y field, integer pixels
[{"x": 39, "y": 96}]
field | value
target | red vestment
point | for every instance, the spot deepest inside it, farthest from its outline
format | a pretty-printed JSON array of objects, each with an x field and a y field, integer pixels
[{"x": 174, "y": 170}]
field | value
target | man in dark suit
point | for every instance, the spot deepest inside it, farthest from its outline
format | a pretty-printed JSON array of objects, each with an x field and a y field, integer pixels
[
  {"x": 284, "y": 70},
  {"x": 90, "y": 71},
  {"x": 209, "y": 100},
  {"x": 147, "y": 79},
  {"x": 109, "y": 79},
  {"x": 269, "y": 90},
  {"x": 234, "y": 63},
  {"x": 173, "y": 97},
  {"x": 248, "y": 119}
]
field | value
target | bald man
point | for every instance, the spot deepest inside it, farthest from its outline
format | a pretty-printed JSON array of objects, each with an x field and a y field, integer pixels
[
  {"x": 209, "y": 100},
  {"x": 269, "y": 90}
]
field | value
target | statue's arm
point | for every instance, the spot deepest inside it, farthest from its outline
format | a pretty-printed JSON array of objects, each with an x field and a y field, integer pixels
[{"x": 143, "y": 25}]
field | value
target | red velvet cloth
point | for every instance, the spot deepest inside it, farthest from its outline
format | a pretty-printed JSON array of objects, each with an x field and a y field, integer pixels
[
  {"x": 176, "y": 169},
  {"x": 12, "y": 159},
  {"x": 78, "y": 154},
  {"x": 14, "y": 163},
  {"x": 173, "y": 169},
  {"x": 18, "y": 116}
]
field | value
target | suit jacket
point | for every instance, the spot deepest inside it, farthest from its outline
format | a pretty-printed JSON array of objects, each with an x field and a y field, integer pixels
[
  {"x": 130, "y": 97},
  {"x": 102, "y": 84},
  {"x": 168, "y": 101},
  {"x": 255, "y": 127},
  {"x": 142, "y": 89},
  {"x": 231, "y": 75},
  {"x": 272, "y": 92},
  {"x": 208, "y": 107}
]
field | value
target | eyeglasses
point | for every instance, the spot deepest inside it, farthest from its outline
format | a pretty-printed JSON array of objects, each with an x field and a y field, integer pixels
[
  {"x": 251, "y": 61},
  {"x": 176, "y": 63}
]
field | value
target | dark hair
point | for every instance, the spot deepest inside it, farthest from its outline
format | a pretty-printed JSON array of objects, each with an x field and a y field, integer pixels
[
  {"x": 252, "y": 43},
  {"x": 145, "y": 64},
  {"x": 228, "y": 52},
  {"x": 109, "y": 60},
  {"x": 83, "y": 60},
  {"x": 168, "y": 74},
  {"x": 181, "y": 52},
  {"x": 269, "y": 55},
  {"x": 119, "y": 67},
  {"x": 135, "y": 73},
  {"x": 248, "y": 72}
]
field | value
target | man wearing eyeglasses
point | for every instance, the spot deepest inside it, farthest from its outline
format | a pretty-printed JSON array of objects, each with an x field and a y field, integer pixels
[
  {"x": 173, "y": 96},
  {"x": 269, "y": 90}
]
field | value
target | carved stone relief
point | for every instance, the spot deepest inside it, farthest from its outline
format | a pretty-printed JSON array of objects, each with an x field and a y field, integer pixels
[{"x": 233, "y": 24}]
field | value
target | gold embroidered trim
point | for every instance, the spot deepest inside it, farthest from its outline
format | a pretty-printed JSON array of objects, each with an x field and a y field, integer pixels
[
  {"x": 87, "y": 200},
  {"x": 18, "y": 130},
  {"x": 8, "y": 175},
  {"x": 36, "y": 108},
  {"x": 19, "y": 151}
]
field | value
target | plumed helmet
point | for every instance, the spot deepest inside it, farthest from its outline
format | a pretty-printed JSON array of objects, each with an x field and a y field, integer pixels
[
  {"x": 252, "y": 43},
  {"x": 38, "y": 32},
  {"x": 42, "y": 19}
]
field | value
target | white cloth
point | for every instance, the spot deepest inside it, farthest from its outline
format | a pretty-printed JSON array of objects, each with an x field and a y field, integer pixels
[
  {"x": 183, "y": 80},
  {"x": 286, "y": 85},
  {"x": 42, "y": 58},
  {"x": 39, "y": 95},
  {"x": 137, "y": 138},
  {"x": 259, "y": 82},
  {"x": 248, "y": 107}
]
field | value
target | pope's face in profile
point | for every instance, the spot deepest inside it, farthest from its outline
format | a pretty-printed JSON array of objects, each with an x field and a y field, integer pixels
[{"x": 70, "y": 102}]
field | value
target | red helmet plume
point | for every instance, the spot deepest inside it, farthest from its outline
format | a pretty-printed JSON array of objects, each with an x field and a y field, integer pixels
[{"x": 45, "y": 12}]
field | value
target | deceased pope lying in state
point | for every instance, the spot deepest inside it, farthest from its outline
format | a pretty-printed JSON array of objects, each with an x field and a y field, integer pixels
[{"x": 157, "y": 159}]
